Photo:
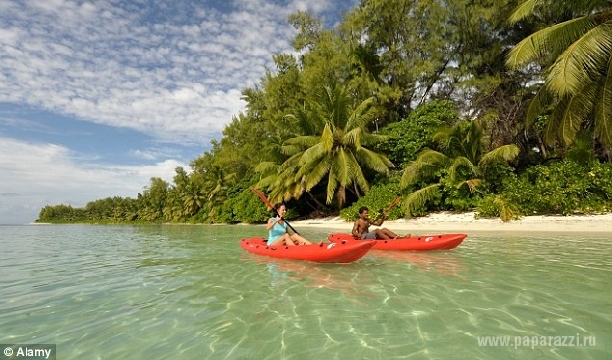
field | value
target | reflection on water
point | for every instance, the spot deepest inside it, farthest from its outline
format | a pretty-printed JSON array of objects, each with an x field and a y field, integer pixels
[
  {"x": 443, "y": 262},
  {"x": 338, "y": 277},
  {"x": 190, "y": 292}
]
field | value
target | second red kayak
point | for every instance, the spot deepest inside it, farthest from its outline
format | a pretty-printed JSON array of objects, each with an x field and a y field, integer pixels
[
  {"x": 334, "y": 252},
  {"x": 421, "y": 242}
]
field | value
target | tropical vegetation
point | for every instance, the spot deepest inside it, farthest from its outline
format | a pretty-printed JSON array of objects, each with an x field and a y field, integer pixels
[{"x": 497, "y": 106}]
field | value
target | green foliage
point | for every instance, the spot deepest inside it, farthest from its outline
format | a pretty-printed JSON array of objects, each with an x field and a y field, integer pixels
[
  {"x": 495, "y": 175},
  {"x": 495, "y": 206},
  {"x": 337, "y": 149},
  {"x": 458, "y": 198},
  {"x": 377, "y": 199},
  {"x": 248, "y": 208},
  {"x": 410, "y": 38},
  {"x": 408, "y": 137},
  {"x": 563, "y": 187},
  {"x": 457, "y": 172},
  {"x": 574, "y": 55},
  {"x": 58, "y": 213}
]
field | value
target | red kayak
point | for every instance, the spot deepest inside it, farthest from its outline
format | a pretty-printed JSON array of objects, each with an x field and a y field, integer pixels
[
  {"x": 422, "y": 242},
  {"x": 334, "y": 252}
]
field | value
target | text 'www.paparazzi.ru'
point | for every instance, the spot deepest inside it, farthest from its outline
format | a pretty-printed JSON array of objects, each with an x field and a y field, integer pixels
[{"x": 537, "y": 341}]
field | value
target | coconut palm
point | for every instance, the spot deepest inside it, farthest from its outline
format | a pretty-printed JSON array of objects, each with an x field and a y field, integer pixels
[
  {"x": 334, "y": 147},
  {"x": 461, "y": 155},
  {"x": 576, "y": 56}
]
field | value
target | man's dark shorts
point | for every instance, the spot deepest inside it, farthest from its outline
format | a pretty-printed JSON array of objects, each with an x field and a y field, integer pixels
[{"x": 369, "y": 235}]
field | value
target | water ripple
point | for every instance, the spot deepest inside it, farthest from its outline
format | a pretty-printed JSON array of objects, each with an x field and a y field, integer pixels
[{"x": 190, "y": 292}]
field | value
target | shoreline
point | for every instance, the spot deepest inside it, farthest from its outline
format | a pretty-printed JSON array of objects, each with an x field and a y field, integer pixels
[
  {"x": 447, "y": 222},
  {"x": 465, "y": 222}
]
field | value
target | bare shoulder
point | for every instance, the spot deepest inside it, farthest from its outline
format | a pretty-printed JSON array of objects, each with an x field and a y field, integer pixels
[{"x": 361, "y": 224}]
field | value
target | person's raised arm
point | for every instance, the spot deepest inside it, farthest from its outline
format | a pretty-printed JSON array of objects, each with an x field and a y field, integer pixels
[{"x": 380, "y": 221}]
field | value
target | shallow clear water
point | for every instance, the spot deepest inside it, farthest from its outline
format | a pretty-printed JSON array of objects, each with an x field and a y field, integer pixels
[{"x": 190, "y": 292}]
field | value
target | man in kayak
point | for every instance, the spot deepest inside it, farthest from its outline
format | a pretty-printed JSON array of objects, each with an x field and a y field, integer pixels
[
  {"x": 278, "y": 234},
  {"x": 361, "y": 228}
]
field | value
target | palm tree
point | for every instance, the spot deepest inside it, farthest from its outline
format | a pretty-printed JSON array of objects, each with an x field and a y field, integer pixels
[
  {"x": 334, "y": 145},
  {"x": 193, "y": 198},
  {"x": 461, "y": 155},
  {"x": 216, "y": 184},
  {"x": 576, "y": 56}
]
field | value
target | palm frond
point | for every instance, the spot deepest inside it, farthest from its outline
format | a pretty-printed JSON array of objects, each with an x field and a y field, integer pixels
[
  {"x": 603, "y": 110},
  {"x": 306, "y": 121},
  {"x": 373, "y": 160},
  {"x": 347, "y": 170},
  {"x": 341, "y": 167},
  {"x": 285, "y": 186},
  {"x": 360, "y": 180},
  {"x": 327, "y": 138},
  {"x": 426, "y": 164},
  {"x": 444, "y": 137},
  {"x": 267, "y": 181},
  {"x": 332, "y": 185},
  {"x": 472, "y": 184},
  {"x": 536, "y": 105},
  {"x": 298, "y": 143},
  {"x": 524, "y": 10},
  {"x": 503, "y": 153},
  {"x": 419, "y": 198},
  {"x": 290, "y": 149},
  {"x": 461, "y": 162},
  {"x": 566, "y": 119},
  {"x": 311, "y": 175},
  {"x": 430, "y": 157},
  {"x": 472, "y": 141},
  {"x": 362, "y": 115},
  {"x": 582, "y": 60},
  {"x": 266, "y": 167},
  {"x": 529, "y": 7},
  {"x": 552, "y": 40},
  {"x": 313, "y": 154},
  {"x": 335, "y": 104},
  {"x": 410, "y": 175},
  {"x": 368, "y": 139},
  {"x": 290, "y": 164},
  {"x": 353, "y": 138}
]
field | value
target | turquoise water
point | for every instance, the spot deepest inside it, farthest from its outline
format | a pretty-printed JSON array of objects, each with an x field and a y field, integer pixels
[{"x": 190, "y": 292}]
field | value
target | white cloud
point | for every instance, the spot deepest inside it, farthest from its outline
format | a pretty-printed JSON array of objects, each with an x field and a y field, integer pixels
[
  {"x": 176, "y": 78},
  {"x": 35, "y": 175},
  {"x": 174, "y": 72}
]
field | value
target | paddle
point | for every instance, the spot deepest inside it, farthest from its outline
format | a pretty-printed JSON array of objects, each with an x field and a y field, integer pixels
[
  {"x": 395, "y": 202},
  {"x": 267, "y": 202}
]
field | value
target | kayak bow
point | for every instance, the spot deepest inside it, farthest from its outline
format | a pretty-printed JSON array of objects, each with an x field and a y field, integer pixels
[{"x": 334, "y": 252}]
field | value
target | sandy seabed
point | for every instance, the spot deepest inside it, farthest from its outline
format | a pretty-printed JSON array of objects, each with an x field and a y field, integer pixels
[{"x": 465, "y": 222}]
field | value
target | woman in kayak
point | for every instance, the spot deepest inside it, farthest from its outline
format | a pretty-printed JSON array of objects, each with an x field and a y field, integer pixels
[
  {"x": 278, "y": 234},
  {"x": 361, "y": 228}
]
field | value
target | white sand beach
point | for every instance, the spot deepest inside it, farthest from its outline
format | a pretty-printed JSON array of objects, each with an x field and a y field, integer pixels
[{"x": 465, "y": 222}]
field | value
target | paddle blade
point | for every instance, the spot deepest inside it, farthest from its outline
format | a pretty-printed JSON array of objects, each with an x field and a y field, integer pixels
[
  {"x": 263, "y": 198},
  {"x": 395, "y": 202}
]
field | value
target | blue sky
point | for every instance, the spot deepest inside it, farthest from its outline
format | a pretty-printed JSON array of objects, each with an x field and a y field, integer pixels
[{"x": 97, "y": 97}]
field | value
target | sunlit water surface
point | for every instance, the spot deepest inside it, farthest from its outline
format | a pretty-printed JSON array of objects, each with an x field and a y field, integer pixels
[{"x": 190, "y": 292}]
